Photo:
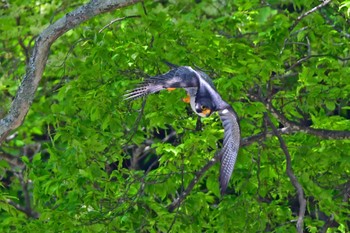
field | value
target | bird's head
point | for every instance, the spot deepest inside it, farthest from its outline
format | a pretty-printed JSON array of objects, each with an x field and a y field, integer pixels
[{"x": 204, "y": 107}]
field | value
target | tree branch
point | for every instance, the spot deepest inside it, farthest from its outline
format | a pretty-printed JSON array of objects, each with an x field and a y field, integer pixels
[
  {"x": 35, "y": 68},
  {"x": 333, "y": 25},
  {"x": 14, "y": 161},
  {"x": 293, "y": 126},
  {"x": 27, "y": 208},
  {"x": 292, "y": 177},
  {"x": 30, "y": 214},
  {"x": 244, "y": 142},
  {"x": 327, "y": 224},
  {"x": 301, "y": 60},
  {"x": 260, "y": 136},
  {"x": 116, "y": 20},
  {"x": 300, "y": 17},
  {"x": 177, "y": 202}
]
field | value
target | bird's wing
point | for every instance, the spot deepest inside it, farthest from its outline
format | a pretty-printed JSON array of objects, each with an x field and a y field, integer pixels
[
  {"x": 181, "y": 77},
  {"x": 228, "y": 153}
]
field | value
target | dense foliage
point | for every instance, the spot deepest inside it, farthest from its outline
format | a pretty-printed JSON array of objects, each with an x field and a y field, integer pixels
[{"x": 84, "y": 160}]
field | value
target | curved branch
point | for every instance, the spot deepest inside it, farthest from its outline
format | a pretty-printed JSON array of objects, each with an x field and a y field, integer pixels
[
  {"x": 330, "y": 221},
  {"x": 267, "y": 134},
  {"x": 35, "y": 68},
  {"x": 291, "y": 126},
  {"x": 116, "y": 20},
  {"x": 244, "y": 142},
  {"x": 322, "y": 133},
  {"x": 308, "y": 57},
  {"x": 177, "y": 202},
  {"x": 30, "y": 213},
  {"x": 291, "y": 175},
  {"x": 300, "y": 17}
]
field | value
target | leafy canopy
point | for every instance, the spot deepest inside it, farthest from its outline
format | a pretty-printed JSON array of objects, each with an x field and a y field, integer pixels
[{"x": 83, "y": 160}]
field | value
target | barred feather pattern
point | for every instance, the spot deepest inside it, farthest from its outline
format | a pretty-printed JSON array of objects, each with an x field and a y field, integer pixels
[
  {"x": 181, "y": 77},
  {"x": 228, "y": 153}
]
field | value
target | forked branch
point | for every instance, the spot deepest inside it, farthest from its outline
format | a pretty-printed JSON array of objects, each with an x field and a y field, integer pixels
[
  {"x": 37, "y": 61},
  {"x": 291, "y": 175},
  {"x": 300, "y": 17}
]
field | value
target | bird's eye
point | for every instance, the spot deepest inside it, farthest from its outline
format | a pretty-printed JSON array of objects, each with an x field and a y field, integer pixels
[{"x": 203, "y": 107}]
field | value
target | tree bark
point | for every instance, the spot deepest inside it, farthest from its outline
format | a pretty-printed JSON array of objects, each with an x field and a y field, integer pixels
[{"x": 37, "y": 62}]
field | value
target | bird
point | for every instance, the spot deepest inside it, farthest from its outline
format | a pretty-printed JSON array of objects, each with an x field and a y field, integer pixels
[{"x": 204, "y": 100}]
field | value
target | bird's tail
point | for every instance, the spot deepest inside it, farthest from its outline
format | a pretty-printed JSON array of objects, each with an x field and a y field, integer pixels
[
  {"x": 142, "y": 90},
  {"x": 149, "y": 86}
]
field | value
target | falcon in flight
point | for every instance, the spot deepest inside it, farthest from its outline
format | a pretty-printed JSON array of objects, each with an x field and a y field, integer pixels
[{"x": 204, "y": 100}]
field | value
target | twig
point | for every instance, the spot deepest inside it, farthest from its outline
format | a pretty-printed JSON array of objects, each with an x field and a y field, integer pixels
[
  {"x": 138, "y": 119},
  {"x": 117, "y": 20},
  {"x": 330, "y": 55},
  {"x": 298, "y": 63},
  {"x": 70, "y": 51},
  {"x": 24, "y": 185},
  {"x": 291, "y": 175},
  {"x": 292, "y": 34},
  {"x": 300, "y": 17},
  {"x": 174, "y": 219},
  {"x": 327, "y": 224},
  {"x": 194, "y": 181},
  {"x": 182, "y": 189},
  {"x": 260, "y": 136},
  {"x": 304, "y": 58},
  {"x": 258, "y": 170},
  {"x": 332, "y": 24},
  {"x": 308, "y": 46},
  {"x": 299, "y": 30},
  {"x": 144, "y": 8},
  {"x": 315, "y": 55},
  {"x": 27, "y": 209}
]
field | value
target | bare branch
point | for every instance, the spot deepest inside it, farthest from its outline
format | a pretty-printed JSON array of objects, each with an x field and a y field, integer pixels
[
  {"x": 327, "y": 224},
  {"x": 295, "y": 127},
  {"x": 38, "y": 58},
  {"x": 301, "y": 60},
  {"x": 27, "y": 209},
  {"x": 291, "y": 175},
  {"x": 14, "y": 161},
  {"x": 261, "y": 136},
  {"x": 291, "y": 126},
  {"x": 333, "y": 25},
  {"x": 23, "y": 209},
  {"x": 117, "y": 20},
  {"x": 26, "y": 195},
  {"x": 300, "y": 17}
]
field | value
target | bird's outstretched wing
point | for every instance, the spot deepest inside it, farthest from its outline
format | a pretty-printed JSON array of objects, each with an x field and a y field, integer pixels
[
  {"x": 181, "y": 77},
  {"x": 228, "y": 153}
]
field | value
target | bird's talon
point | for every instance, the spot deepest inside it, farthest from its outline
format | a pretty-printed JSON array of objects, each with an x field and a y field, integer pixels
[{"x": 187, "y": 99}]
